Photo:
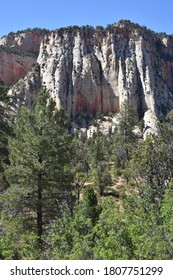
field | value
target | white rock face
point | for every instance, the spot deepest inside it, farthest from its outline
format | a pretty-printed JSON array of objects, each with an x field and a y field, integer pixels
[
  {"x": 89, "y": 72},
  {"x": 150, "y": 123}
]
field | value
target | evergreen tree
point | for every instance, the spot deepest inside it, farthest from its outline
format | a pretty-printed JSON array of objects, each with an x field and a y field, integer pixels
[
  {"x": 112, "y": 241},
  {"x": 61, "y": 238},
  {"x": 89, "y": 205},
  {"x": 72, "y": 237},
  {"x": 145, "y": 229},
  {"x": 151, "y": 166},
  {"x": 5, "y": 131},
  {"x": 124, "y": 137},
  {"x": 80, "y": 165},
  {"x": 38, "y": 173},
  {"x": 86, "y": 216},
  {"x": 127, "y": 120},
  {"x": 102, "y": 177},
  {"x": 167, "y": 216},
  {"x": 97, "y": 150}
]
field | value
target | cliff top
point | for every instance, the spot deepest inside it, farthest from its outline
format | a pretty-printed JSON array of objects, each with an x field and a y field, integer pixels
[{"x": 120, "y": 26}]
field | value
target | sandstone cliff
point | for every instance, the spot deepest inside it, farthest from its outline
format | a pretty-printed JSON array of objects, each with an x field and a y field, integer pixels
[
  {"x": 28, "y": 40},
  {"x": 18, "y": 53},
  {"x": 89, "y": 71},
  {"x": 14, "y": 67}
]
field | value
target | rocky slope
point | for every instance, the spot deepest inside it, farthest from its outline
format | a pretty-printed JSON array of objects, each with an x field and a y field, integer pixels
[
  {"x": 14, "y": 67},
  {"x": 18, "y": 53},
  {"x": 90, "y": 71}
]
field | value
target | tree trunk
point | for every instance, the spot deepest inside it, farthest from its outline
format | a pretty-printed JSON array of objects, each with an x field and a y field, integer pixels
[{"x": 39, "y": 210}]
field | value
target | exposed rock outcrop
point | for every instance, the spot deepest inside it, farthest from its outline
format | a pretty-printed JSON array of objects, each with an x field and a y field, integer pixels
[
  {"x": 14, "y": 67},
  {"x": 28, "y": 40},
  {"x": 18, "y": 53},
  {"x": 89, "y": 71}
]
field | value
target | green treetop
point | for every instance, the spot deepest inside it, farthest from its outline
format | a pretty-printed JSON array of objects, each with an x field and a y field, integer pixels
[{"x": 38, "y": 173}]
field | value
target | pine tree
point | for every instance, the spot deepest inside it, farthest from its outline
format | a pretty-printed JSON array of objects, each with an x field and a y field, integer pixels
[
  {"x": 124, "y": 137},
  {"x": 80, "y": 166},
  {"x": 111, "y": 241},
  {"x": 72, "y": 237},
  {"x": 86, "y": 216},
  {"x": 5, "y": 131},
  {"x": 167, "y": 216},
  {"x": 38, "y": 173},
  {"x": 151, "y": 167}
]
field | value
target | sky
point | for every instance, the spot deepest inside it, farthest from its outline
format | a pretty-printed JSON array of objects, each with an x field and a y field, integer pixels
[{"x": 51, "y": 14}]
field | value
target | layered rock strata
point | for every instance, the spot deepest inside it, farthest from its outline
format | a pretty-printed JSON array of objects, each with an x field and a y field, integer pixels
[{"x": 18, "y": 54}]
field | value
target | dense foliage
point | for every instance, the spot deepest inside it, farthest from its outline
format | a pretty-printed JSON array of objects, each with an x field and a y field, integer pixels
[
  {"x": 65, "y": 197},
  {"x": 42, "y": 31}
]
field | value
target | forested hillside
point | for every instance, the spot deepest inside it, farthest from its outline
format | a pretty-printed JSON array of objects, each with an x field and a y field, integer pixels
[{"x": 68, "y": 197}]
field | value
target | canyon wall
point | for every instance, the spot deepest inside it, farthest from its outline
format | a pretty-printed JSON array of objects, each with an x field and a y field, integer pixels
[
  {"x": 18, "y": 54},
  {"x": 89, "y": 71}
]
